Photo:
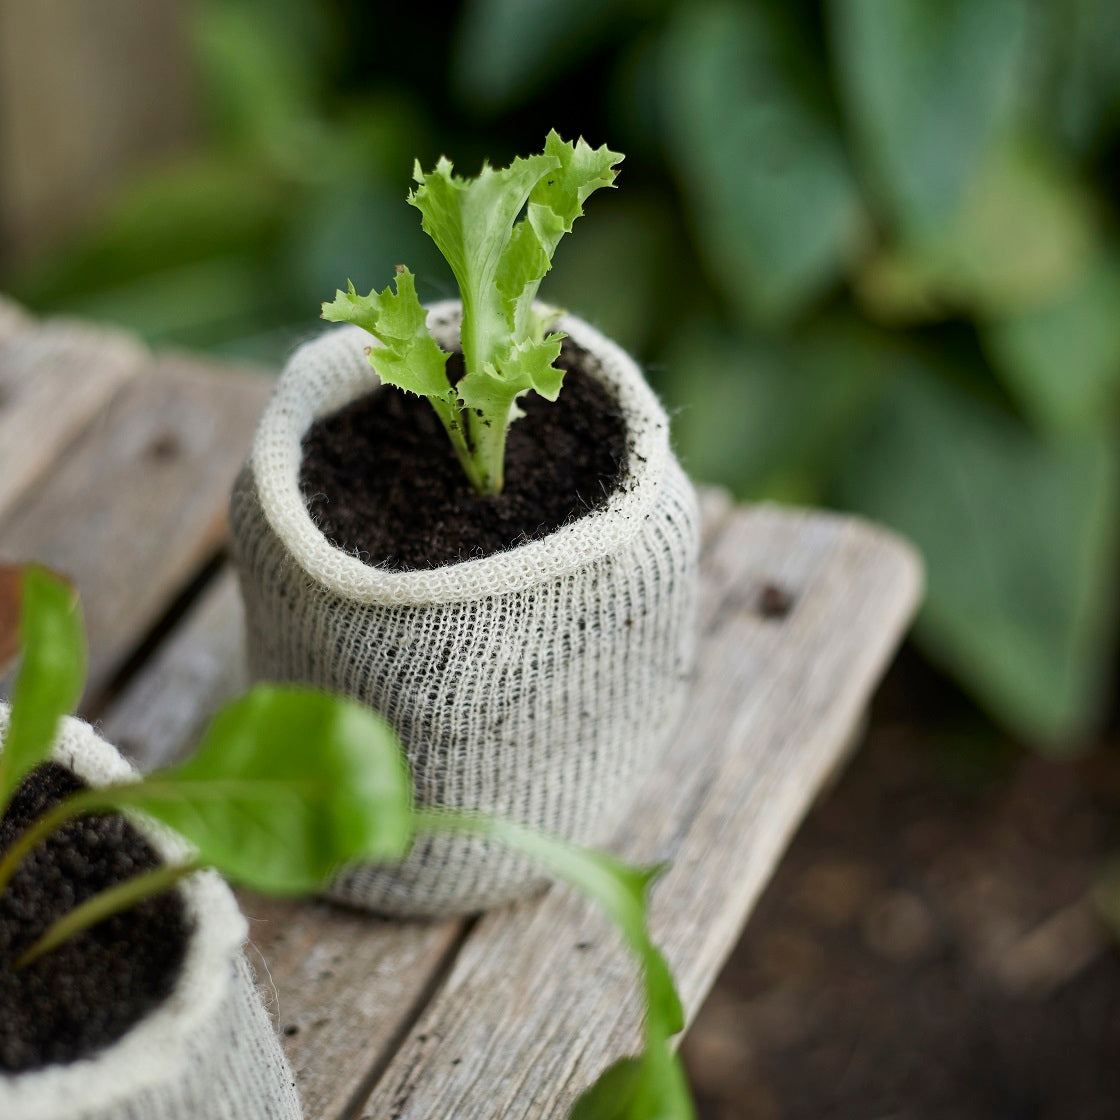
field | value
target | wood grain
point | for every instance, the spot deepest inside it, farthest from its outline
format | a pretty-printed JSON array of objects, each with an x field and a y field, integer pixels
[
  {"x": 137, "y": 505},
  {"x": 53, "y": 381},
  {"x": 541, "y": 999}
]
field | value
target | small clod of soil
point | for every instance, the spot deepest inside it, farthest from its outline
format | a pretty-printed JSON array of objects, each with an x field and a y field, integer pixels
[
  {"x": 89, "y": 991},
  {"x": 774, "y": 601},
  {"x": 382, "y": 482}
]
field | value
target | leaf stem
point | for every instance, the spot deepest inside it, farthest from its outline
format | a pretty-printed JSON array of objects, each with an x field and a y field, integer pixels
[{"x": 105, "y": 905}]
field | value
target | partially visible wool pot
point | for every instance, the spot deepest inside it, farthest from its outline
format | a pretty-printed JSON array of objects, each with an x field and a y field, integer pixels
[
  {"x": 538, "y": 684},
  {"x": 209, "y": 1049}
]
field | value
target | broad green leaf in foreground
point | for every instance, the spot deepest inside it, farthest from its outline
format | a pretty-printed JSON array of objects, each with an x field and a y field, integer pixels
[
  {"x": 1020, "y": 541},
  {"x": 51, "y": 676},
  {"x": 927, "y": 87},
  {"x": 766, "y": 181},
  {"x": 286, "y": 785},
  {"x": 652, "y": 1086}
]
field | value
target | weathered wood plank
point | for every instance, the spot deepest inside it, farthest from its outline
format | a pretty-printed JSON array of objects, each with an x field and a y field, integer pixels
[
  {"x": 53, "y": 381},
  {"x": 161, "y": 712},
  {"x": 347, "y": 987},
  {"x": 13, "y": 318},
  {"x": 350, "y": 985},
  {"x": 541, "y": 999},
  {"x": 137, "y": 505}
]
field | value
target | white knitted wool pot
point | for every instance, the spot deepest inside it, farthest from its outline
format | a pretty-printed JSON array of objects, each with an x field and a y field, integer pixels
[
  {"x": 538, "y": 684},
  {"x": 209, "y": 1051}
]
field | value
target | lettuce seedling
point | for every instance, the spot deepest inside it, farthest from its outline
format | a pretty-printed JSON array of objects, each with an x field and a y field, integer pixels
[
  {"x": 498, "y": 258},
  {"x": 286, "y": 785}
]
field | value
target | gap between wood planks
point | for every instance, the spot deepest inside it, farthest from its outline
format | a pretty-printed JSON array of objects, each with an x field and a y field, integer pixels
[{"x": 134, "y": 509}]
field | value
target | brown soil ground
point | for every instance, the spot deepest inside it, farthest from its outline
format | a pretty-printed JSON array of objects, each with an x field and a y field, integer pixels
[{"x": 931, "y": 946}]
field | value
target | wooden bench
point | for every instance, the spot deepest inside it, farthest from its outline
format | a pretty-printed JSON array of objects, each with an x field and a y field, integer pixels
[{"x": 115, "y": 466}]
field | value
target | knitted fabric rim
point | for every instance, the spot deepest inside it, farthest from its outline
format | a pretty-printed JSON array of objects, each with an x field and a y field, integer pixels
[
  {"x": 153, "y": 1048},
  {"x": 304, "y": 393}
]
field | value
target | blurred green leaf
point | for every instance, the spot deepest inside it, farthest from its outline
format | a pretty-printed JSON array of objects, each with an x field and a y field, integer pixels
[
  {"x": 51, "y": 676},
  {"x": 614, "y": 273},
  {"x": 771, "y": 419},
  {"x": 765, "y": 178},
  {"x": 197, "y": 304},
  {"x": 286, "y": 785},
  {"x": 927, "y": 84},
  {"x": 1062, "y": 360},
  {"x": 260, "y": 74},
  {"x": 1020, "y": 539},
  {"x": 1023, "y": 232},
  {"x": 184, "y": 213},
  {"x": 1082, "y": 42},
  {"x": 357, "y": 231},
  {"x": 506, "y": 49}
]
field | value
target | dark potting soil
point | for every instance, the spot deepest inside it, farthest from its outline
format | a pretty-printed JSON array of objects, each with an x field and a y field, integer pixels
[
  {"x": 86, "y": 993},
  {"x": 380, "y": 478}
]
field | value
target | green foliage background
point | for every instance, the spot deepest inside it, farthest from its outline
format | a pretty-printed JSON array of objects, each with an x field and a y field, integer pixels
[{"x": 868, "y": 249}]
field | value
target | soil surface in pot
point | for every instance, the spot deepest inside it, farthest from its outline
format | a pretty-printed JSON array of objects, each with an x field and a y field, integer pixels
[
  {"x": 380, "y": 478},
  {"x": 90, "y": 990}
]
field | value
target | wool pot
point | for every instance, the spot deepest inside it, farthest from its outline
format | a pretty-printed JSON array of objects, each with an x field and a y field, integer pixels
[
  {"x": 538, "y": 684},
  {"x": 209, "y": 1049}
]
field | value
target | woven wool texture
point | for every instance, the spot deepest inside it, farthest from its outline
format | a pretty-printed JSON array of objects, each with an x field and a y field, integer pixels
[
  {"x": 209, "y": 1050},
  {"x": 538, "y": 684}
]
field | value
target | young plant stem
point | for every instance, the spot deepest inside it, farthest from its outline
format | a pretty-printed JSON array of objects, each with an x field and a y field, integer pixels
[
  {"x": 105, "y": 905},
  {"x": 454, "y": 421},
  {"x": 87, "y": 801},
  {"x": 488, "y": 454}
]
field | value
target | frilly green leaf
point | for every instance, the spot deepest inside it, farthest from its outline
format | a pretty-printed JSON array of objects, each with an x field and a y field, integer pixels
[
  {"x": 408, "y": 357},
  {"x": 498, "y": 258}
]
